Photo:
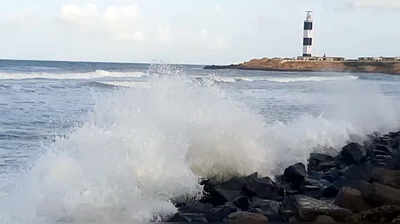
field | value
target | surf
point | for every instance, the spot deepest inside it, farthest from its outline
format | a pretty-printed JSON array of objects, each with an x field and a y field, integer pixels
[{"x": 142, "y": 147}]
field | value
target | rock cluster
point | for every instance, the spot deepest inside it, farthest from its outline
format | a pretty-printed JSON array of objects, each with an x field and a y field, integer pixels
[{"x": 360, "y": 185}]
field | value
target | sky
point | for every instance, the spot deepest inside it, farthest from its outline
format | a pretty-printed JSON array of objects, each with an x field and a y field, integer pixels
[{"x": 194, "y": 31}]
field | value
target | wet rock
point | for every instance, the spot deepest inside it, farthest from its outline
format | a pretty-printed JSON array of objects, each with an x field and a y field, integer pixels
[
  {"x": 353, "y": 153},
  {"x": 352, "y": 199},
  {"x": 396, "y": 220},
  {"x": 320, "y": 162},
  {"x": 246, "y": 217},
  {"x": 309, "y": 208},
  {"x": 287, "y": 211},
  {"x": 250, "y": 186},
  {"x": 242, "y": 202},
  {"x": 295, "y": 175},
  {"x": 262, "y": 187},
  {"x": 384, "y": 214},
  {"x": 331, "y": 175},
  {"x": 386, "y": 177},
  {"x": 195, "y": 207},
  {"x": 218, "y": 213},
  {"x": 330, "y": 192},
  {"x": 395, "y": 162},
  {"x": 324, "y": 219},
  {"x": 268, "y": 208},
  {"x": 293, "y": 220},
  {"x": 313, "y": 187},
  {"x": 358, "y": 172},
  {"x": 230, "y": 189},
  {"x": 385, "y": 150},
  {"x": 382, "y": 194},
  {"x": 189, "y": 218},
  {"x": 377, "y": 194},
  {"x": 211, "y": 195}
]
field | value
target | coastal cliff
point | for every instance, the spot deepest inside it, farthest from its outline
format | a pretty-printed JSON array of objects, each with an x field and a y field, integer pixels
[{"x": 388, "y": 67}]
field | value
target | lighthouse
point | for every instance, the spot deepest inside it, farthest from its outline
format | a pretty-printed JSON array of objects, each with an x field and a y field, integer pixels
[{"x": 308, "y": 35}]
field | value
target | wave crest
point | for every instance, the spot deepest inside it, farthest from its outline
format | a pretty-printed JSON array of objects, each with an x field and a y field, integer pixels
[{"x": 86, "y": 75}]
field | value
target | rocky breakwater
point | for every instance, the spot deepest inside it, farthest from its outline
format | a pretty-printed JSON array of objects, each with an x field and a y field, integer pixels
[
  {"x": 388, "y": 67},
  {"x": 360, "y": 185}
]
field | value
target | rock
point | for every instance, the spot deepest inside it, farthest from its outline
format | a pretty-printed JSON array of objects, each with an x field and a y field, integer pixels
[
  {"x": 313, "y": 187},
  {"x": 309, "y": 208},
  {"x": 320, "y": 162},
  {"x": 378, "y": 194},
  {"x": 331, "y": 175},
  {"x": 352, "y": 199},
  {"x": 262, "y": 187},
  {"x": 219, "y": 213},
  {"x": 396, "y": 220},
  {"x": 386, "y": 177},
  {"x": 242, "y": 202},
  {"x": 395, "y": 162},
  {"x": 195, "y": 207},
  {"x": 293, "y": 220},
  {"x": 324, "y": 219},
  {"x": 211, "y": 195},
  {"x": 358, "y": 172},
  {"x": 353, "y": 153},
  {"x": 383, "y": 149},
  {"x": 231, "y": 189},
  {"x": 295, "y": 174},
  {"x": 330, "y": 192},
  {"x": 384, "y": 214},
  {"x": 189, "y": 218},
  {"x": 250, "y": 186},
  {"x": 268, "y": 208},
  {"x": 383, "y": 194},
  {"x": 246, "y": 217}
]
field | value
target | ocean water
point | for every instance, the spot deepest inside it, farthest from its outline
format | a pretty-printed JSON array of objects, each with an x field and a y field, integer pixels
[{"x": 114, "y": 143}]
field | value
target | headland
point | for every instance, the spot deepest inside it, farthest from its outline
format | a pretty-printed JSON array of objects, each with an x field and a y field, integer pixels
[{"x": 387, "y": 65}]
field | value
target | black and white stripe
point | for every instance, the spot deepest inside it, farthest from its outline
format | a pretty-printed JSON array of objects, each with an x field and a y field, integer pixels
[{"x": 308, "y": 37}]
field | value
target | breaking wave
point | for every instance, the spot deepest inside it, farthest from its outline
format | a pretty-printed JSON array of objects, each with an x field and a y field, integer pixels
[
  {"x": 141, "y": 147},
  {"x": 86, "y": 75},
  {"x": 134, "y": 84}
]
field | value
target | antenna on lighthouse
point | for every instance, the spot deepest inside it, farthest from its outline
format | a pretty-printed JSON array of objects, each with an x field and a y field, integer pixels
[{"x": 308, "y": 35}]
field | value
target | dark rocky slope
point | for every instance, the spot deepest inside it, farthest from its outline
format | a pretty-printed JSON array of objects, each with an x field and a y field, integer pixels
[{"x": 360, "y": 185}]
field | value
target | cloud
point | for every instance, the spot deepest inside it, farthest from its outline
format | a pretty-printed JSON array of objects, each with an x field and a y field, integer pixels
[
  {"x": 82, "y": 15},
  {"x": 117, "y": 21},
  {"x": 383, "y": 4}
]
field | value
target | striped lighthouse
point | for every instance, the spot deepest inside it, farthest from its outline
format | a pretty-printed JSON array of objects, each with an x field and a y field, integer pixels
[{"x": 308, "y": 35}]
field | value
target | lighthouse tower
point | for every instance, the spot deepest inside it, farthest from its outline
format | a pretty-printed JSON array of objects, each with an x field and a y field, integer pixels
[{"x": 308, "y": 35}]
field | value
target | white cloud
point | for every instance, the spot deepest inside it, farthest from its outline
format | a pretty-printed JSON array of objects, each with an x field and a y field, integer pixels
[
  {"x": 389, "y": 4},
  {"x": 117, "y": 21},
  {"x": 82, "y": 15}
]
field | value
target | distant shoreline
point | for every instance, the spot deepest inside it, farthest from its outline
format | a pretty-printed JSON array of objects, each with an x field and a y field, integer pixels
[{"x": 316, "y": 65}]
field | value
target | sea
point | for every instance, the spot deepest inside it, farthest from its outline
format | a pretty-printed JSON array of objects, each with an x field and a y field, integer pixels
[{"x": 88, "y": 142}]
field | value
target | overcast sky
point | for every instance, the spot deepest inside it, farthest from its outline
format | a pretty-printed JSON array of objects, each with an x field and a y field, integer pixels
[{"x": 194, "y": 31}]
